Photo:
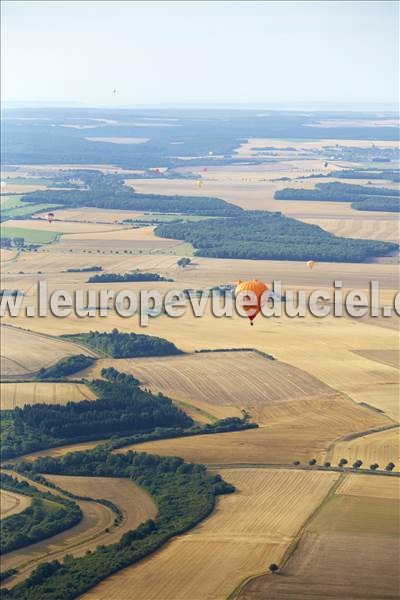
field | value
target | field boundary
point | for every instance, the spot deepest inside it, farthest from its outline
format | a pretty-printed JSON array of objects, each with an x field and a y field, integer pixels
[
  {"x": 355, "y": 435},
  {"x": 234, "y": 595}
]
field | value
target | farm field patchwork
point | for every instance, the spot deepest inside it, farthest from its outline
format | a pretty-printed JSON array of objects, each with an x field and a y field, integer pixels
[
  {"x": 354, "y": 534},
  {"x": 247, "y": 531}
]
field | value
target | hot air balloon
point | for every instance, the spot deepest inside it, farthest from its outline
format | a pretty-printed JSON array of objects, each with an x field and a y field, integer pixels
[
  {"x": 205, "y": 169},
  {"x": 311, "y": 264},
  {"x": 50, "y": 217},
  {"x": 158, "y": 171},
  {"x": 200, "y": 183},
  {"x": 210, "y": 153},
  {"x": 325, "y": 164},
  {"x": 258, "y": 288}
]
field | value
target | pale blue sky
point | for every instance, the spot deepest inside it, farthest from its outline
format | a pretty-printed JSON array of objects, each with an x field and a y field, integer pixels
[{"x": 184, "y": 52}]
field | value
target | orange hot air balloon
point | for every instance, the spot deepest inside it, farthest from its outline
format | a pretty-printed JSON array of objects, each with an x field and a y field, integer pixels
[
  {"x": 311, "y": 264},
  {"x": 50, "y": 217},
  {"x": 258, "y": 288}
]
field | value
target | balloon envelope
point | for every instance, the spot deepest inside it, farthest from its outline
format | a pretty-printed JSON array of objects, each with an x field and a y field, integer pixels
[
  {"x": 311, "y": 264},
  {"x": 258, "y": 288}
]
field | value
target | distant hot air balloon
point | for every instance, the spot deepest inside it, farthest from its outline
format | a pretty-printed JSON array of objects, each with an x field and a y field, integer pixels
[
  {"x": 210, "y": 153},
  {"x": 258, "y": 288},
  {"x": 205, "y": 169},
  {"x": 158, "y": 171},
  {"x": 200, "y": 183},
  {"x": 114, "y": 92},
  {"x": 325, "y": 164},
  {"x": 311, "y": 264},
  {"x": 50, "y": 217}
]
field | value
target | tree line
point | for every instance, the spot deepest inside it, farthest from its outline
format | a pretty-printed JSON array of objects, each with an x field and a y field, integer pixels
[
  {"x": 127, "y": 277},
  {"x": 66, "y": 366},
  {"x": 184, "y": 493},
  {"x": 125, "y": 345},
  {"x": 381, "y": 198},
  {"x": 46, "y": 516}
]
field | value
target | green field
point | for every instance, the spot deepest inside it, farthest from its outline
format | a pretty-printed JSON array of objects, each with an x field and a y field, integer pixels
[
  {"x": 13, "y": 206},
  {"x": 31, "y": 236},
  {"x": 8, "y": 202}
]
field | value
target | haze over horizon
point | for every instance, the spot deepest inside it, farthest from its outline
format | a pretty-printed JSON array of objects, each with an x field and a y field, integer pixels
[{"x": 248, "y": 54}]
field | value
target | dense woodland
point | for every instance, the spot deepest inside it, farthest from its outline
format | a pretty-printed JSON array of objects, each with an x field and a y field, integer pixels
[
  {"x": 384, "y": 199},
  {"x": 66, "y": 366},
  {"x": 122, "y": 408},
  {"x": 109, "y": 191},
  {"x": 388, "y": 174},
  {"x": 125, "y": 345},
  {"x": 265, "y": 235},
  {"x": 184, "y": 494},
  {"x": 127, "y": 277},
  {"x": 46, "y": 516}
]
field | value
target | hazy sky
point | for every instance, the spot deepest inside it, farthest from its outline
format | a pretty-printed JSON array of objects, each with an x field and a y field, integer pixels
[{"x": 178, "y": 52}]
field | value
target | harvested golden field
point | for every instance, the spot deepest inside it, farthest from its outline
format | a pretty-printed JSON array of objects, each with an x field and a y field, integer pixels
[
  {"x": 57, "y": 258},
  {"x": 371, "y": 486},
  {"x": 366, "y": 229},
  {"x": 358, "y": 515},
  {"x": 18, "y": 394},
  {"x": 58, "y": 451},
  {"x": 295, "y": 341},
  {"x": 43, "y": 352},
  {"x": 12, "y": 503},
  {"x": 93, "y": 215},
  {"x": 134, "y": 502},
  {"x": 349, "y": 540},
  {"x": 248, "y": 530},
  {"x": 119, "y": 140},
  {"x": 143, "y": 234},
  {"x": 381, "y": 447},
  {"x": 387, "y": 357},
  {"x": 255, "y": 191},
  {"x": 6, "y": 255},
  {"x": 96, "y": 527},
  {"x": 224, "y": 383},
  {"x": 256, "y": 143},
  {"x": 23, "y": 188},
  {"x": 333, "y": 567},
  {"x": 301, "y": 430},
  {"x": 64, "y": 227},
  {"x": 123, "y": 239}
]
